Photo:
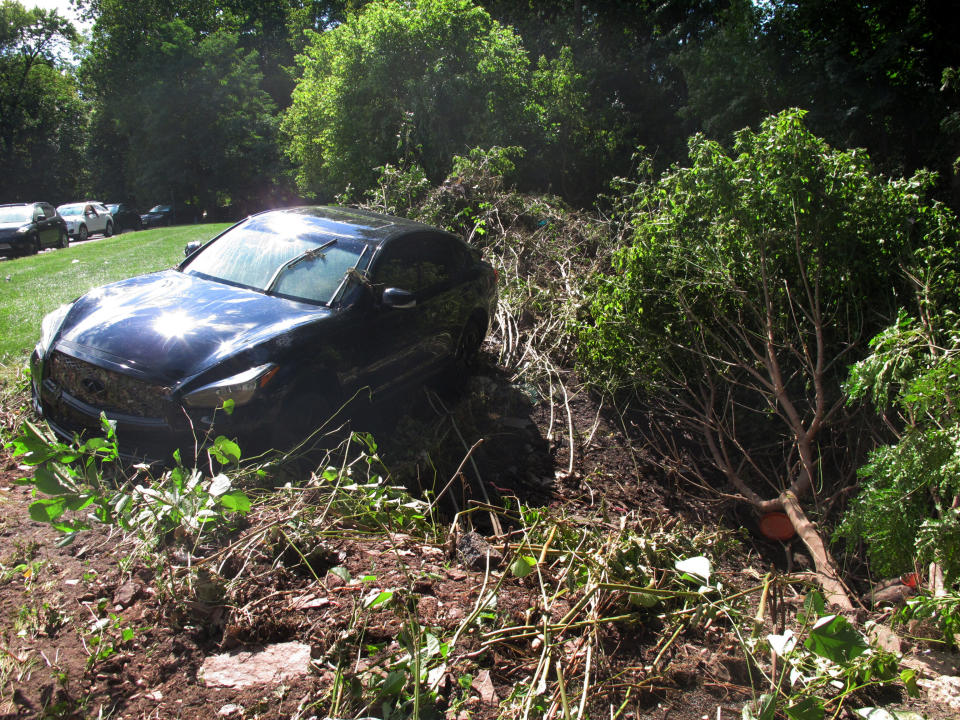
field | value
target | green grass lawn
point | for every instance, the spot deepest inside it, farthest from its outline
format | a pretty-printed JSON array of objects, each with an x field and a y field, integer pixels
[{"x": 32, "y": 286}]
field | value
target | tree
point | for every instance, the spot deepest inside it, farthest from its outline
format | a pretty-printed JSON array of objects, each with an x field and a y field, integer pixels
[
  {"x": 41, "y": 113},
  {"x": 403, "y": 81},
  {"x": 209, "y": 136},
  {"x": 749, "y": 282},
  {"x": 912, "y": 379}
]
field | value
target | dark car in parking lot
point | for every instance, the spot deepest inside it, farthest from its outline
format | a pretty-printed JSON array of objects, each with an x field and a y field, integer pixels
[
  {"x": 27, "y": 228},
  {"x": 125, "y": 217},
  {"x": 157, "y": 216},
  {"x": 282, "y": 316}
]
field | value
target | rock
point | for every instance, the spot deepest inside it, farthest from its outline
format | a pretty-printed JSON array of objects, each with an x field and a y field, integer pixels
[
  {"x": 884, "y": 637},
  {"x": 892, "y": 593},
  {"x": 473, "y": 551},
  {"x": 484, "y": 687},
  {"x": 944, "y": 691},
  {"x": 230, "y": 709},
  {"x": 272, "y": 664},
  {"x": 126, "y": 594}
]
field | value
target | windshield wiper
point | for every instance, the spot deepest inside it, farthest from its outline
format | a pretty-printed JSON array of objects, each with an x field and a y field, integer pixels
[{"x": 310, "y": 254}]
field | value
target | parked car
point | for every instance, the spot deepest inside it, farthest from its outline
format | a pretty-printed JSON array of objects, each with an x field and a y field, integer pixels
[
  {"x": 86, "y": 218},
  {"x": 27, "y": 228},
  {"x": 157, "y": 216},
  {"x": 284, "y": 315},
  {"x": 125, "y": 217}
]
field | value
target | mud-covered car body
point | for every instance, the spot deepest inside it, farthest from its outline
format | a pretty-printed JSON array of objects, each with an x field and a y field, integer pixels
[{"x": 282, "y": 317}]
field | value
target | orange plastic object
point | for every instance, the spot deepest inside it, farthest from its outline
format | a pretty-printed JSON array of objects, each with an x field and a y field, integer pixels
[
  {"x": 911, "y": 580},
  {"x": 777, "y": 526}
]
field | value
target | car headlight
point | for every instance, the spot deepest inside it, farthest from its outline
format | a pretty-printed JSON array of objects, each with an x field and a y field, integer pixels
[
  {"x": 23, "y": 230},
  {"x": 50, "y": 326},
  {"x": 240, "y": 388}
]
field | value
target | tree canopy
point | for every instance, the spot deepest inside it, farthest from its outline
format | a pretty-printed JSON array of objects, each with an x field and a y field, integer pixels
[
  {"x": 412, "y": 81},
  {"x": 41, "y": 113}
]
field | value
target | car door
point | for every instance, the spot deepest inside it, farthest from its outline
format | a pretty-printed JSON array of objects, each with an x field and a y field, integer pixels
[
  {"x": 398, "y": 341},
  {"x": 93, "y": 219},
  {"x": 47, "y": 228}
]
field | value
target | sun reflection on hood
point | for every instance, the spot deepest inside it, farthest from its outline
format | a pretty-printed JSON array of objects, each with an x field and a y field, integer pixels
[{"x": 176, "y": 325}]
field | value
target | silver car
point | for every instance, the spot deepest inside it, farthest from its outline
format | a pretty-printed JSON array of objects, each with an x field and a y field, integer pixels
[{"x": 86, "y": 218}]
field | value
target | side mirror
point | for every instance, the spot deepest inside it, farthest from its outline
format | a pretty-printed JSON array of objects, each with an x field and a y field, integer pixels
[
  {"x": 399, "y": 299},
  {"x": 191, "y": 248}
]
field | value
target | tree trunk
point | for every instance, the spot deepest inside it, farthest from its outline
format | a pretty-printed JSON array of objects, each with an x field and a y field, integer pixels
[{"x": 827, "y": 573}]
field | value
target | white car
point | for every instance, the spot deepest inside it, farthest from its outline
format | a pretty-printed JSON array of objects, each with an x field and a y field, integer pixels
[{"x": 86, "y": 218}]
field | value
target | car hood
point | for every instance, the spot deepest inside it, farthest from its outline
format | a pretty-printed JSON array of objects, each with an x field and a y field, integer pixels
[
  {"x": 8, "y": 227},
  {"x": 170, "y": 326}
]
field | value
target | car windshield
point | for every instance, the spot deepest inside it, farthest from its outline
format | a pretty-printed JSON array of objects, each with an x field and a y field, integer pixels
[
  {"x": 18, "y": 214},
  {"x": 283, "y": 254},
  {"x": 160, "y": 208},
  {"x": 75, "y": 209}
]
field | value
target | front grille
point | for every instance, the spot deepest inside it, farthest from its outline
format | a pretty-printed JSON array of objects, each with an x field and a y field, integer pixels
[{"x": 107, "y": 390}]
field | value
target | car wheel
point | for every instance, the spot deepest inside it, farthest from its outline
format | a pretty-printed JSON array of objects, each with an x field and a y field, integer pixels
[
  {"x": 35, "y": 245},
  {"x": 82, "y": 233},
  {"x": 109, "y": 229},
  {"x": 64, "y": 239},
  {"x": 304, "y": 413},
  {"x": 468, "y": 348}
]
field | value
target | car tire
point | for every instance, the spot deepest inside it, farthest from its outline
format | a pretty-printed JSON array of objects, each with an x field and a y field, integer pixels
[
  {"x": 35, "y": 245},
  {"x": 108, "y": 231},
  {"x": 64, "y": 241},
  {"x": 82, "y": 233},
  {"x": 468, "y": 347},
  {"x": 305, "y": 411}
]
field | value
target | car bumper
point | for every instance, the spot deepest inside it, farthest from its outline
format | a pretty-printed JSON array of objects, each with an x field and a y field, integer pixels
[
  {"x": 141, "y": 438},
  {"x": 14, "y": 245}
]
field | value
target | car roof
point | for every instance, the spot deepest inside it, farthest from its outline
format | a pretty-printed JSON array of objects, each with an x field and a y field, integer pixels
[{"x": 373, "y": 228}]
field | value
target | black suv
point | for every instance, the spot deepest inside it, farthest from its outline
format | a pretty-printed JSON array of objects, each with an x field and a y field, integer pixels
[{"x": 27, "y": 228}]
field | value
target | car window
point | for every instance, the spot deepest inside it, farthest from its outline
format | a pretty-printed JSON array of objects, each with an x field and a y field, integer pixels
[
  {"x": 417, "y": 263},
  {"x": 15, "y": 214},
  {"x": 262, "y": 251}
]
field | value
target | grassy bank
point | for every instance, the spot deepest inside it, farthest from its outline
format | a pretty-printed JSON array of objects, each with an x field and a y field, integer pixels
[{"x": 32, "y": 286}]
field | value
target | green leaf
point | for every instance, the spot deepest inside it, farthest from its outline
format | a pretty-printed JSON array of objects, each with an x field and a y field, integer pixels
[
  {"x": 814, "y": 607},
  {"x": 646, "y": 600},
  {"x": 225, "y": 451},
  {"x": 809, "y": 708},
  {"x": 228, "y": 406},
  {"x": 764, "y": 708},
  {"x": 834, "y": 638},
  {"x": 378, "y": 598},
  {"x": 47, "y": 482},
  {"x": 394, "y": 682},
  {"x": 432, "y": 645},
  {"x": 48, "y": 509},
  {"x": 909, "y": 679},
  {"x": 235, "y": 501},
  {"x": 341, "y": 572},
  {"x": 523, "y": 566}
]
